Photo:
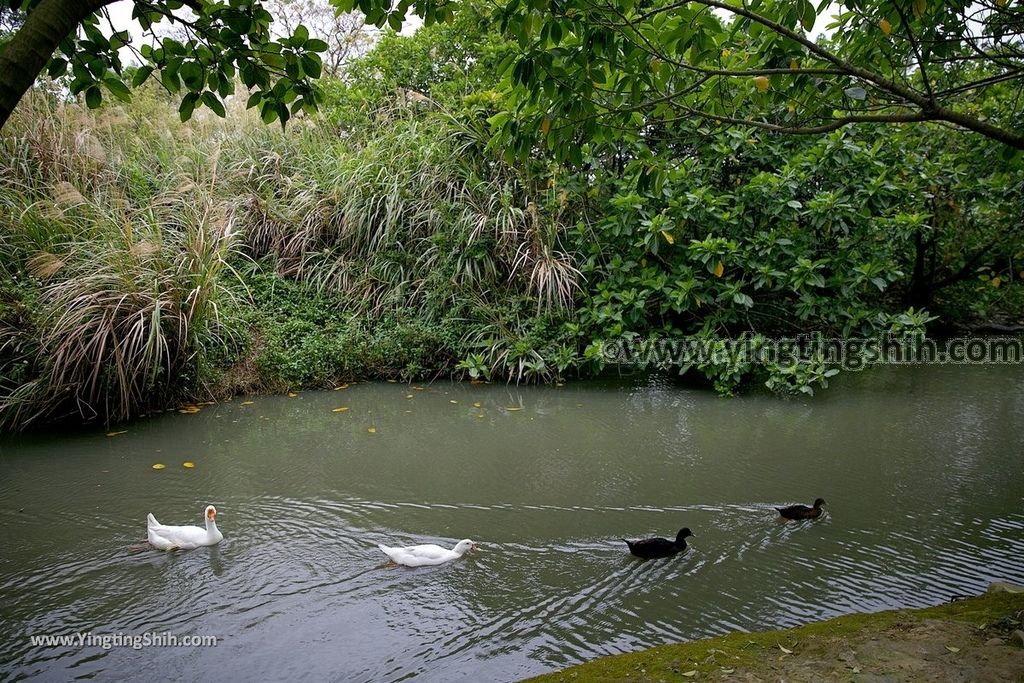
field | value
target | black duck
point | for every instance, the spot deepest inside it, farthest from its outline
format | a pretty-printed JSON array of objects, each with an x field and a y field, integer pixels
[{"x": 651, "y": 548}]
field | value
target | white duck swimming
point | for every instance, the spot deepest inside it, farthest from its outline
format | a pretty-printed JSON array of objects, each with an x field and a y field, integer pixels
[
  {"x": 427, "y": 554},
  {"x": 164, "y": 537}
]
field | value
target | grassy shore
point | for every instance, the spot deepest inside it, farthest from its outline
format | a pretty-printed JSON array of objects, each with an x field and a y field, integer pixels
[{"x": 967, "y": 640}]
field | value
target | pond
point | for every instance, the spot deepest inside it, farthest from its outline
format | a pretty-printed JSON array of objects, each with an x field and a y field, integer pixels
[{"x": 921, "y": 468}]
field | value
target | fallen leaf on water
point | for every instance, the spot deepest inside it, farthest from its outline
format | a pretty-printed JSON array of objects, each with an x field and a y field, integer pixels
[
  {"x": 343, "y": 386},
  {"x": 855, "y": 669},
  {"x": 690, "y": 674},
  {"x": 952, "y": 649},
  {"x": 246, "y": 403},
  {"x": 513, "y": 408},
  {"x": 788, "y": 652},
  {"x": 159, "y": 466},
  {"x": 188, "y": 465},
  {"x": 340, "y": 410},
  {"x": 189, "y": 410},
  {"x": 452, "y": 401},
  {"x": 417, "y": 388},
  {"x": 408, "y": 395},
  {"x": 372, "y": 430},
  {"x": 393, "y": 381},
  {"x": 728, "y": 671},
  {"x": 292, "y": 394},
  {"x": 123, "y": 431},
  {"x": 477, "y": 404}
]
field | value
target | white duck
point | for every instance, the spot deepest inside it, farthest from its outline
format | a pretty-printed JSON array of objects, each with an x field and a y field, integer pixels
[
  {"x": 164, "y": 537},
  {"x": 427, "y": 554}
]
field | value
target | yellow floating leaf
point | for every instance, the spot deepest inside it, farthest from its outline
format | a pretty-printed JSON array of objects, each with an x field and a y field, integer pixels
[
  {"x": 952, "y": 649},
  {"x": 719, "y": 269},
  {"x": 761, "y": 83},
  {"x": 408, "y": 395},
  {"x": 246, "y": 403},
  {"x": 417, "y": 388},
  {"x": 885, "y": 26},
  {"x": 159, "y": 466},
  {"x": 123, "y": 431},
  {"x": 292, "y": 394},
  {"x": 189, "y": 410},
  {"x": 668, "y": 237},
  {"x": 788, "y": 652},
  {"x": 339, "y": 410},
  {"x": 452, "y": 401},
  {"x": 393, "y": 381},
  {"x": 690, "y": 674},
  {"x": 513, "y": 408},
  {"x": 477, "y": 404},
  {"x": 188, "y": 465},
  {"x": 372, "y": 430},
  {"x": 343, "y": 386}
]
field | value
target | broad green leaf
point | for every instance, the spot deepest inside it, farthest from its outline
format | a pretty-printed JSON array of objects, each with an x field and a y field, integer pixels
[{"x": 93, "y": 97}]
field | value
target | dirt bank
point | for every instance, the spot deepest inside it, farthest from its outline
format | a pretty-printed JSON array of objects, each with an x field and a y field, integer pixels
[{"x": 968, "y": 640}]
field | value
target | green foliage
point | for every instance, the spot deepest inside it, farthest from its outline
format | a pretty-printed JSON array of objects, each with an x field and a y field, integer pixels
[
  {"x": 386, "y": 235},
  {"x": 781, "y": 237},
  {"x": 601, "y": 72},
  {"x": 445, "y": 62},
  {"x": 220, "y": 43}
]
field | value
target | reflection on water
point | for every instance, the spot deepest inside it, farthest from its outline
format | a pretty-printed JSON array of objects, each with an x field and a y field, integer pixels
[{"x": 921, "y": 468}]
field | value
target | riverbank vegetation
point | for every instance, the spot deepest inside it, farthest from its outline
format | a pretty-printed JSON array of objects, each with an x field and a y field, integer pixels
[{"x": 145, "y": 260}]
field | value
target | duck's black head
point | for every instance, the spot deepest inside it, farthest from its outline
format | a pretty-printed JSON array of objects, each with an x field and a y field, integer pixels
[
  {"x": 683, "y": 534},
  {"x": 819, "y": 502}
]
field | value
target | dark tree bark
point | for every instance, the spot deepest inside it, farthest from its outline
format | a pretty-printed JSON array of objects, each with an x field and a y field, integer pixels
[
  {"x": 25, "y": 56},
  {"x": 921, "y": 291}
]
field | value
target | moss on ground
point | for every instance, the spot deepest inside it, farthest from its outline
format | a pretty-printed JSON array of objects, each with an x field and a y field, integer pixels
[{"x": 963, "y": 640}]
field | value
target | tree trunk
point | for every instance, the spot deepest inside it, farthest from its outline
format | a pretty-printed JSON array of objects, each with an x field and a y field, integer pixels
[
  {"x": 920, "y": 294},
  {"x": 25, "y": 56}
]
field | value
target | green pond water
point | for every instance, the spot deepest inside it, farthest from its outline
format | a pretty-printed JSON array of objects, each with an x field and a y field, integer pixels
[{"x": 921, "y": 468}]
